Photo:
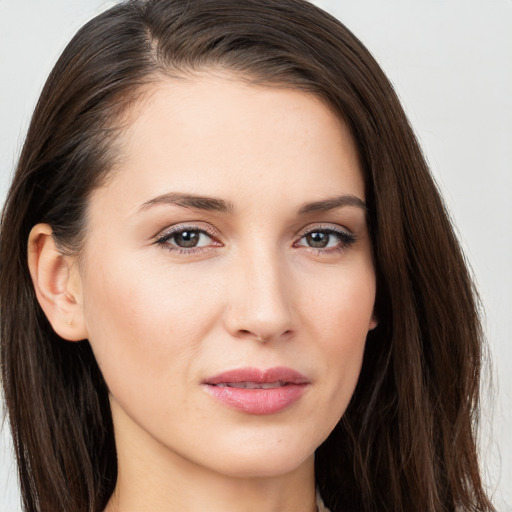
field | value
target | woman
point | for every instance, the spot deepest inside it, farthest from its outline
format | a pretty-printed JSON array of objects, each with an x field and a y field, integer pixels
[{"x": 242, "y": 289}]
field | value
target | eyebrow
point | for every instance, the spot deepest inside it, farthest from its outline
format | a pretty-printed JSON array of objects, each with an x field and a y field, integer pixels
[
  {"x": 332, "y": 203},
  {"x": 199, "y": 202},
  {"x": 191, "y": 201}
]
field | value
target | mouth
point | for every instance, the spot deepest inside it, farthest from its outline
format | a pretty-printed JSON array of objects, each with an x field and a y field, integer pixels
[
  {"x": 255, "y": 391},
  {"x": 252, "y": 385}
]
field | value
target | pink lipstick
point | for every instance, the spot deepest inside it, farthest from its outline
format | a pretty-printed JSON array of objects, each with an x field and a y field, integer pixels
[{"x": 256, "y": 391}]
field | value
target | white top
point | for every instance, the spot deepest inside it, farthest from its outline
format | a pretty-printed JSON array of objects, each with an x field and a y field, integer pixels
[{"x": 320, "y": 507}]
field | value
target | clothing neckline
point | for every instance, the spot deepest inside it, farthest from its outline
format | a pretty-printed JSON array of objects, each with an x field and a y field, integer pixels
[{"x": 320, "y": 507}]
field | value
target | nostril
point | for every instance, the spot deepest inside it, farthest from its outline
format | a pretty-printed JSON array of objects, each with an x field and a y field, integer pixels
[
  {"x": 258, "y": 337},
  {"x": 264, "y": 338}
]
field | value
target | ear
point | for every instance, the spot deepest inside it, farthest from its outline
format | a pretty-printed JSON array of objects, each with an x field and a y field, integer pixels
[
  {"x": 373, "y": 322},
  {"x": 57, "y": 284}
]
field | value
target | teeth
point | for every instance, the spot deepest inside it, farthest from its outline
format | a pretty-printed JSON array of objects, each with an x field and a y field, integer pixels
[{"x": 251, "y": 385}]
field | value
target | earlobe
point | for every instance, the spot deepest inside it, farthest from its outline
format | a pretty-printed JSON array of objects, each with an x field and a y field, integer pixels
[
  {"x": 373, "y": 322},
  {"x": 57, "y": 284}
]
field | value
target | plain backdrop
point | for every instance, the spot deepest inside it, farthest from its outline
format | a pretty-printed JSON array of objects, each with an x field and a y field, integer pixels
[{"x": 451, "y": 64}]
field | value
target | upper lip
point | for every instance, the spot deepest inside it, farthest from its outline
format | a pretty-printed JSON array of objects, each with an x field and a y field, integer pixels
[{"x": 260, "y": 376}]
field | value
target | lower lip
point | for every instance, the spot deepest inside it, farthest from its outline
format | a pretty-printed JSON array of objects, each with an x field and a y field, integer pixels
[{"x": 258, "y": 401}]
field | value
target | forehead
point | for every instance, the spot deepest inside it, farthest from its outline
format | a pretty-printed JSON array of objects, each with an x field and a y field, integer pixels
[{"x": 218, "y": 136}]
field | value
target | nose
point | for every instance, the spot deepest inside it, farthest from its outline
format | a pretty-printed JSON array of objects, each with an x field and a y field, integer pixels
[{"x": 260, "y": 298}]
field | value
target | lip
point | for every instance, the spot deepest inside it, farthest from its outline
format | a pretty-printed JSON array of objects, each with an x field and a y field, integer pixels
[{"x": 280, "y": 388}]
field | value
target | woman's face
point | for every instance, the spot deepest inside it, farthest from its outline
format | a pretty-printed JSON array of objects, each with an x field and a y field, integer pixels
[{"x": 227, "y": 282}]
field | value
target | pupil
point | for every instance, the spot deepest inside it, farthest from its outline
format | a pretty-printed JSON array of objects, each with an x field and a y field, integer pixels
[
  {"x": 187, "y": 238},
  {"x": 317, "y": 239}
]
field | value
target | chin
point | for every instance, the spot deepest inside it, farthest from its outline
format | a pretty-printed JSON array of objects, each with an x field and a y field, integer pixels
[
  {"x": 265, "y": 468},
  {"x": 264, "y": 458}
]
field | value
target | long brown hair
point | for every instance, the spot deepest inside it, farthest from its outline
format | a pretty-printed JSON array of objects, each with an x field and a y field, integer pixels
[{"x": 407, "y": 439}]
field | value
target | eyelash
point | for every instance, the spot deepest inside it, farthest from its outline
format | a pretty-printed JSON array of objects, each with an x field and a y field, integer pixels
[
  {"x": 346, "y": 239},
  {"x": 163, "y": 240}
]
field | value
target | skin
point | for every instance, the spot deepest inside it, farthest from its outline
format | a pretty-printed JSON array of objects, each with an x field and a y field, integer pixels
[{"x": 254, "y": 292}]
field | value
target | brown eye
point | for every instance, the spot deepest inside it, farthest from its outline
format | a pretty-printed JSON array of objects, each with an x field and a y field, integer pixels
[
  {"x": 326, "y": 240},
  {"x": 318, "y": 239},
  {"x": 186, "y": 239},
  {"x": 189, "y": 238}
]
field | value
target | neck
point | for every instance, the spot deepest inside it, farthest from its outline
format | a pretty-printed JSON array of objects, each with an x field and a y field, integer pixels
[
  {"x": 256, "y": 495},
  {"x": 151, "y": 477}
]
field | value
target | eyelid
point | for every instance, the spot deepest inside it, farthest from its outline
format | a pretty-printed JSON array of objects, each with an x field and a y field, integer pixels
[
  {"x": 162, "y": 239},
  {"x": 325, "y": 227},
  {"x": 345, "y": 236},
  {"x": 177, "y": 228}
]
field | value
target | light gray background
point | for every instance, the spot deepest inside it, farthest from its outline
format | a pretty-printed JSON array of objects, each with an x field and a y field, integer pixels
[{"x": 451, "y": 63}]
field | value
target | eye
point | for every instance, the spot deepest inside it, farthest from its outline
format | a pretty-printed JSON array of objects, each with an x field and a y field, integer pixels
[
  {"x": 186, "y": 239},
  {"x": 189, "y": 238},
  {"x": 326, "y": 239}
]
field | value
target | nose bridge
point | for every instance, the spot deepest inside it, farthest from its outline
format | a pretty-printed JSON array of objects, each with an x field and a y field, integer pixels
[{"x": 260, "y": 301}]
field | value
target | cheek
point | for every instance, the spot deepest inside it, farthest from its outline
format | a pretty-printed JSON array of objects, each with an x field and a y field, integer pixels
[
  {"x": 143, "y": 319},
  {"x": 339, "y": 303},
  {"x": 339, "y": 319},
  {"x": 150, "y": 322}
]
